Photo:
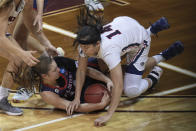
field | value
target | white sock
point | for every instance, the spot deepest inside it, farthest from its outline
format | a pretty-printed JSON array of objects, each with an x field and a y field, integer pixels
[
  {"x": 159, "y": 58},
  {"x": 3, "y": 92}
]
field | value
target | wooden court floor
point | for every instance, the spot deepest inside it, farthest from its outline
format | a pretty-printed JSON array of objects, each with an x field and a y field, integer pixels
[{"x": 171, "y": 106}]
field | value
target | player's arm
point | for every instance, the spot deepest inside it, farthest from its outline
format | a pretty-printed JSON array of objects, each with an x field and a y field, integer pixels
[
  {"x": 80, "y": 78},
  {"x": 60, "y": 103},
  {"x": 38, "y": 18},
  {"x": 80, "y": 75},
  {"x": 117, "y": 79},
  {"x": 54, "y": 99},
  {"x": 97, "y": 75},
  {"x": 12, "y": 49}
]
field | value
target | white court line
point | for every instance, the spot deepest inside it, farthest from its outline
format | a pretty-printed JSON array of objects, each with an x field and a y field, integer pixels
[
  {"x": 177, "y": 69},
  {"x": 59, "y": 30},
  {"x": 174, "y": 90},
  {"x": 48, "y": 122},
  {"x": 155, "y": 94}
]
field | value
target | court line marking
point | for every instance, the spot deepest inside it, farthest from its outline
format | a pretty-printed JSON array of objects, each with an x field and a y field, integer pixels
[
  {"x": 48, "y": 122},
  {"x": 162, "y": 64},
  {"x": 68, "y": 117},
  {"x": 178, "y": 89},
  {"x": 177, "y": 69}
]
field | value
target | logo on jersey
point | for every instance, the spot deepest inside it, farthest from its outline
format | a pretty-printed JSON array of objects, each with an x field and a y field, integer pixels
[{"x": 62, "y": 71}]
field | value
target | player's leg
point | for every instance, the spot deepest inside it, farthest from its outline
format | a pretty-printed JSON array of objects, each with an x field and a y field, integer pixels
[
  {"x": 173, "y": 50},
  {"x": 159, "y": 25},
  {"x": 7, "y": 82},
  {"x": 134, "y": 85}
]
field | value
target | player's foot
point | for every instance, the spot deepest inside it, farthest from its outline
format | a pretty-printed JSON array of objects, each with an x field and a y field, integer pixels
[
  {"x": 175, "y": 49},
  {"x": 6, "y": 107},
  {"x": 94, "y": 5},
  {"x": 155, "y": 75},
  {"x": 159, "y": 25},
  {"x": 22, "y": 95}
]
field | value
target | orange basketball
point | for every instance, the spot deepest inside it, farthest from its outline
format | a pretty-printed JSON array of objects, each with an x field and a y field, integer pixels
[{"x": 94, "y": 93}]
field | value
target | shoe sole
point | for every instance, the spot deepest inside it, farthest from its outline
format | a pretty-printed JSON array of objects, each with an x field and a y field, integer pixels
[{"x": 11, "y": 113}]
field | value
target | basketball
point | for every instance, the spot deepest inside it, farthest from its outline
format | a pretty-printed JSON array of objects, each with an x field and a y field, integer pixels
[{"x": 94, "y": 93}]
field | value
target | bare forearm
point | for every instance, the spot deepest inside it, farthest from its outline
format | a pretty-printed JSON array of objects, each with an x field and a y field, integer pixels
[
  {"x": 97, "y": 75},
  {"x": 8, "y": 46},
  {"x": 116, "y": 94},
  {"x": 53, "y": 99},
  {"x": 80, "y": 78},
  {"x": 40, "y": 5},
  {"x": 117, "y": 79}
]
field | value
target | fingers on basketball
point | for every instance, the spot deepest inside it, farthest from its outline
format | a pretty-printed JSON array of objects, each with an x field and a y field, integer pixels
[{"x": 95, "y": 92}]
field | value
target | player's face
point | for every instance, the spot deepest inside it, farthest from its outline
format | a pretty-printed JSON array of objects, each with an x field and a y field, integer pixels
[
  {"x": 91, "y": 49},
  {"x": 53, "y": 72}
]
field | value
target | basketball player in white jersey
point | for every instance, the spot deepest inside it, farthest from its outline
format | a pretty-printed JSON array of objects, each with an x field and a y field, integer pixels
[{"x": 123, "y": 35}]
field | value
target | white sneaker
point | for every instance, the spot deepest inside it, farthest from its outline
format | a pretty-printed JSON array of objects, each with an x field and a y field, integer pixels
[
  {"x": 155, "y": 75},
  {"x": 94, "y": 5},
  {"x": 22, "y": 95}
]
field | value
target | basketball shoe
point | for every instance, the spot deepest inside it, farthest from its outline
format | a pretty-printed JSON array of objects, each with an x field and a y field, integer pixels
[
  {"x": 22, "y": 95},
  {"x": 159, "y": 25},
  {"x": 6, "y": 107},
  {"x": 175, "y": 49},
  {"x": 155, "y": 75},
  {"x": 94, "y": 5}
]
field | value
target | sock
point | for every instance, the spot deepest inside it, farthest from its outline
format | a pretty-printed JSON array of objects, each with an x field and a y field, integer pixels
[
  {"x": 3, "y": 92},
  {"x": 159, "y": 58},
  {"x": 153, "y": 79}
]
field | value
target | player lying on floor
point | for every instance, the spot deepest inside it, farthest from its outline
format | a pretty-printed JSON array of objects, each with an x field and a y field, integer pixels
[{"x": 55, "y": 78}]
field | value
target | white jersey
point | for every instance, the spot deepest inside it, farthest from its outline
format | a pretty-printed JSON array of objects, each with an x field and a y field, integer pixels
[{"x": 118, "y": 37}]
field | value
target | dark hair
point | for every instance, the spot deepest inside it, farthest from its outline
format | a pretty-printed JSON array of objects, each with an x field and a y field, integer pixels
[
  {"x": 29, "y": 77},
  {"x": 90, "y": 27},
  {"x": 5, "y": 3}
]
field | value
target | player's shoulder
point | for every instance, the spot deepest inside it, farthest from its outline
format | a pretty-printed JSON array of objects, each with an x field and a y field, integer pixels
[{"x": 123, "y": 19}]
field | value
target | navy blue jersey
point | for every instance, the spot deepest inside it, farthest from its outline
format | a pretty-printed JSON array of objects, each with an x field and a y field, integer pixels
[
  {"x": 67, "y": 78},
  {"x": 65, "y": 82}
]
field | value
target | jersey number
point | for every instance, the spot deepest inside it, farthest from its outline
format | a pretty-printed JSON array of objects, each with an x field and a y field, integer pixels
[{"x": 107, "y": 29}]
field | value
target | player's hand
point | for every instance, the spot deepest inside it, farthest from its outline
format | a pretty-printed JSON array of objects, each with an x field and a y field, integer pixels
[
  {"x": 105, "y": 99},
  {"x": 73, "y": 106},
  {"x": 28, "y": 58},
  {"x": 38, "y": 22},
  {"x": 110, "y": 85},
  {"x": 101, "y": 121},
  {"x": 51, "y": 50}
]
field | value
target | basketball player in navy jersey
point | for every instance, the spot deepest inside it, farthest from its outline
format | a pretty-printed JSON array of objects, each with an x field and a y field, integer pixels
[
  {"x": 56, "y": 80},
  {"x": 122, "y": 36}
]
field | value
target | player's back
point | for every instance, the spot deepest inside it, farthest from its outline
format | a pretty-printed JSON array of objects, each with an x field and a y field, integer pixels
[{"x": 122, "y": 32}]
